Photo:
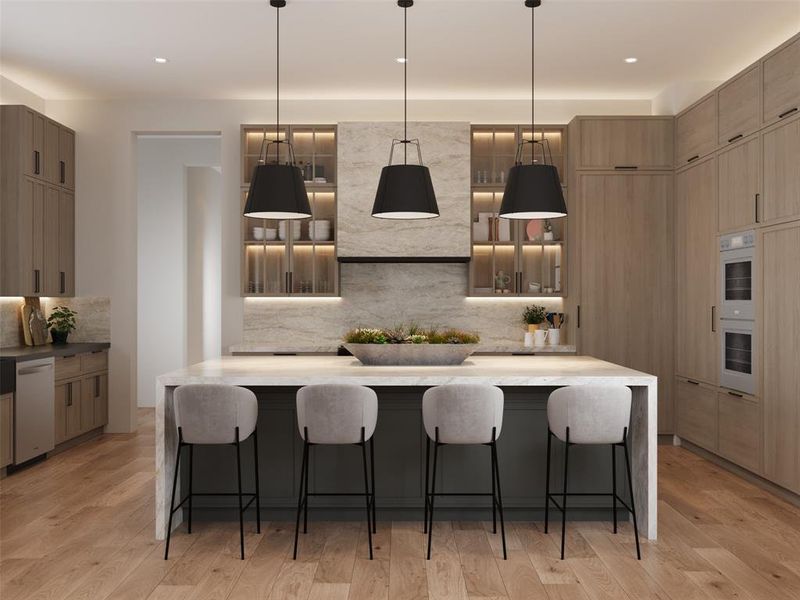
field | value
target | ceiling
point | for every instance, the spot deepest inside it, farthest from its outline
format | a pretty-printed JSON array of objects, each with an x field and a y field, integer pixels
[{"x": 347, "y": 49}]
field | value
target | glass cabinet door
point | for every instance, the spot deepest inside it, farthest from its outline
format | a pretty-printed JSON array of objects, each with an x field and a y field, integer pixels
[
  {"x": 251, "y": 152},
  {"x": 555, "y": 141},
  {"x": 493, "y": 151},
  {"x": 265, "y": 257},
  {"x": 494, "y": 243}
]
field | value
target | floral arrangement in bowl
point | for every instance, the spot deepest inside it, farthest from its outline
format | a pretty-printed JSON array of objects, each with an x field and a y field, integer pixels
[
  {"x": 410, "y": 334},
  {"x": 411, "y": 345}
]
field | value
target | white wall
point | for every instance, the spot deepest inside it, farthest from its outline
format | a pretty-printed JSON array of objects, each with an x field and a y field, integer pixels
[
  {"x": 12, "y": 93},
  {"x": 164, "y": 259}
]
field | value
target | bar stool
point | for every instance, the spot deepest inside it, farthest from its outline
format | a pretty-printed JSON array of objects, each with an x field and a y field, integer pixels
[
  {"x": 590, "y": 414},
  {"x": 462, "y": 414},
  {"x": 215, "y": 415},
  {"x": 337, "y": 414}
]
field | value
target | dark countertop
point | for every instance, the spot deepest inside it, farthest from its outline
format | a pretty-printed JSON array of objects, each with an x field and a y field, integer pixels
[{"x": 22, "y": 353}]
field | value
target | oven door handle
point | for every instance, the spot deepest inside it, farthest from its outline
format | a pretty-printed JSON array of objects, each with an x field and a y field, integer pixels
[{"x": 713, "y": 319}]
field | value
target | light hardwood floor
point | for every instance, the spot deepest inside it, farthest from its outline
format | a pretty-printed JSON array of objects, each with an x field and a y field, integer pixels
[{"x": 80, "y": 525}]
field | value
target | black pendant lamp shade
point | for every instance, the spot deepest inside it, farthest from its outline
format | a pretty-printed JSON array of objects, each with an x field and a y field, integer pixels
[
  {"x": 405, "y": 191},
  {"x": 277, "y": 190},
  {"x": 533, "y": 191}
]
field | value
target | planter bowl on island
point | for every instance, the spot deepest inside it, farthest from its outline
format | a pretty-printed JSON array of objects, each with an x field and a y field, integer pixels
[{"x": 395, "y": 355}]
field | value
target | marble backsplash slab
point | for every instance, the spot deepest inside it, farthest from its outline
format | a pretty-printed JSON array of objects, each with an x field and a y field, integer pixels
[
  {"x": 93, "y": 320},
  {"x": 382, "y": 295}
]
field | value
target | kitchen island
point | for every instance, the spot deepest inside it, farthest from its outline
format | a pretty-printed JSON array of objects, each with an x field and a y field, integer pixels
[{"x": 400, "y": 439}]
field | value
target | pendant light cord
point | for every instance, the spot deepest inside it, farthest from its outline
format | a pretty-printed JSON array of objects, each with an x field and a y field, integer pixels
[
  {"x": 533, "y": 66},
  {"x": 278, "y": 76},
  {"x": 405, "y": 85}
]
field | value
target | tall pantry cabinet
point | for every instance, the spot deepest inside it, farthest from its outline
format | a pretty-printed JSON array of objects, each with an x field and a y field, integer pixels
[{"x": 37, "y": 205}]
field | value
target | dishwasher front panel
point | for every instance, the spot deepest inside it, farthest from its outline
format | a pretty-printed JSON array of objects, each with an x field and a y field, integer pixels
[{"x": 34, "y": 418}]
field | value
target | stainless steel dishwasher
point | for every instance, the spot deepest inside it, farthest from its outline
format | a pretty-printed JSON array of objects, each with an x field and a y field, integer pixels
[{"x": 34, "y": 417}]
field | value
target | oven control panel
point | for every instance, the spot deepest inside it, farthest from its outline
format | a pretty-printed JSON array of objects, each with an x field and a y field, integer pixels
[{"x": 734, "y": 241}]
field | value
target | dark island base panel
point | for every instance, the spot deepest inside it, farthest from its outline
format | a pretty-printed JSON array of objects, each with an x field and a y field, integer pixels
[{"x": 400, "y": 466}]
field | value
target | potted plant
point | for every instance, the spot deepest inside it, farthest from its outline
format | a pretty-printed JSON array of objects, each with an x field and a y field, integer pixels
[
  {"x": 533, "y": 316},
  {"x": 410, "y": 345},
  {"x": 61, "y": 321}
]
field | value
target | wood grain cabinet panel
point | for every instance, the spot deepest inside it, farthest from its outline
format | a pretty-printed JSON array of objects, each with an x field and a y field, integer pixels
[
  {"x": 696, "y": 267},
  {"x": 740, "y": 430},
  {"x": 6, "y": 429},
  {"x": 780, "y": 257},
  {"x": 738, "y": 106},
  {"x": 17, "y": 270},
  {"x": 66, "y": 243},
  {"x": 696, "y": 131},
  {"x": 92, "y": 362},
  {"x": 696, "y": 408},
  {"x": 782, "y": 82},
  {"x": 739, "y": 184},
  {"x": 51, "y": 143},
  {"x": 625, "y": 143},
  {"x": 781, "y": 171},
  {"x": 627, "y": 276},
  {"x": 32, "y": 144},
  {"x": 50, "y": 242},
  {"x": 72, "y": 409},
  {"x": 60, "y": 412},
  {"x": 66, "y": 158}
]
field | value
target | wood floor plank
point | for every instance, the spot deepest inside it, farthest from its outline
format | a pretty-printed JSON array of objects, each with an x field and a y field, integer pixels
[{"x": 407, "y": 564}]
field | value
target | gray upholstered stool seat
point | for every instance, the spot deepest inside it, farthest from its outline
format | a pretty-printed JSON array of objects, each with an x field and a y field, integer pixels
[
  {"x": 215, "y": 415},
  {"x": 590, "y": 414},
  {"x": 330, "y": 414},
  {"x": 462, "y": 414}
]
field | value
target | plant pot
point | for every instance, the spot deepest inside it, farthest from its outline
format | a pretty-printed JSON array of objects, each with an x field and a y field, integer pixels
[
  {"x": 532, "y": 327},
  {"x": 411, "y": 354},
  {"x": 59, "y": 337}
]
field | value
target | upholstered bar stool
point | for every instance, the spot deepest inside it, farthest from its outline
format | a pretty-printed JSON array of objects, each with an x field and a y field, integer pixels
[
  {"x": 215, "y": 415},
  {"x": 337, "y": 414},
  {"x": 590, "y": 414},
  {"x": 462, "y": 414}
]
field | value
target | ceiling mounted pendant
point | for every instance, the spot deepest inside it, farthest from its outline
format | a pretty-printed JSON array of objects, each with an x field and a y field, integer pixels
[
  {"x": 405, "y": 191},
  {"x": 277, "y": 190},
  {"x": 533, "y": 191}
]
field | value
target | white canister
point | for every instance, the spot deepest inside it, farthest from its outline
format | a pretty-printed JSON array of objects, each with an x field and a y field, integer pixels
[
  {"x": 554, "y": 337},
  {"x": 528, "y": 339},
  {"x": 540, "y": 337}
]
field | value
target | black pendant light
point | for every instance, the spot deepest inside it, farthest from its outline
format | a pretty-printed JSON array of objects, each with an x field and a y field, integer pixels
[
  {"x": 277, "y": 190},
  {"x": 405, "y": 191},
  {"x": 533, "y": 191}
]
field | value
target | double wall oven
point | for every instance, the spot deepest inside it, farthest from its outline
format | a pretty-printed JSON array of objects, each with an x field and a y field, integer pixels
[{"x": 738, "y": 335}]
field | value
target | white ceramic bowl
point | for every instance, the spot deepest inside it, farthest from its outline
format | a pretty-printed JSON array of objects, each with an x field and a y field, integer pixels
[
  {"x": 258, "y": 233},
  {"x": 270, "y": 234}
]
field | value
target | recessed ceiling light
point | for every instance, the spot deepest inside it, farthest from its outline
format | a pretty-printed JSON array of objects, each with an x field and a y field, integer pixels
[
  {"x": 161, "y": 60},
  {"x": 401, "y": 59},
  {"x": 630, "y": 60}
]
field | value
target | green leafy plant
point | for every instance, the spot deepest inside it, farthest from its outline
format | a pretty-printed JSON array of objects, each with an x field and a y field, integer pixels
[
  {"x": 533, "y": 315},
  {"x": 410, "y": 334},
  {"x": 62, "y": 319}
]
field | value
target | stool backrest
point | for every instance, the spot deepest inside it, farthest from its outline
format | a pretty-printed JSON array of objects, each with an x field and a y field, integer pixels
[
  {"x": 595, "y": 414},
  {"x": 463, "y": 413},
  {"x": 210, "y": 413},
  {"x": 334, "y": 413}
]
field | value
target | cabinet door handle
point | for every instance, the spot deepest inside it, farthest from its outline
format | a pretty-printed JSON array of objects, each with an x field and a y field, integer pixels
[
  {"x": 787, "y": 113},
  {"x": 734, "y": 394},
  {"x": 626, "y": 167},
  {"x": 713, "y": 319},
  {"x": 736, "y": 137},
  {"x": 69, "y": 394},
  {"x": 693, "y": 158},
  {"x": 692, "y": 382},
  {"x": 63, "y": 282},
  {"x": 36, "y": 289},
  {"x": 63, "y": 169},
  {"x": 36, "y": 164},
  {"x": 97, "y": 386},
  {"x": 579, "y": 317},
  {"x": 758, "y": 197}
]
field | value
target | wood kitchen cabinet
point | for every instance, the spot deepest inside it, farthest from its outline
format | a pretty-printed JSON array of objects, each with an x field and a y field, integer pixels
[
  {"x": 621, "y": 143},
  {"x": 94, "y": 401},
  {"x": 739, "y": 184},
  {"x": 781, "y": 171},
  {"x": 740, "y": 430},
  {"x": 67, "y": 410},
  {"x": 696, "y": 413},
  {"x": 81, "y": 398},
  {"x": 696, "y": 131},
  {"x": 627, "y": 275},
  {"x": 37, "y": 204},
  {"x": 738, "y": 106},
  {"x": 696, "y": 256},
  {"x": 780, "y": 318},
  {"x": 782, "y": 81},
  {"x": 6, "y": 430}
]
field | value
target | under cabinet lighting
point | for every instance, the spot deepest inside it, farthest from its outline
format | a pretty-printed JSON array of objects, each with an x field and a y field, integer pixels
[
  {"x": 161, "y": 60},
  {"x": 631, "y": 59},
  {"x": 401, "y": 59}
]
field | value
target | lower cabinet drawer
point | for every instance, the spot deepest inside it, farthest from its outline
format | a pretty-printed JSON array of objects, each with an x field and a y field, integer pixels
[
  {"x": 740, "y": 430},
  {"x": 696, "y": 407},
  {"x": 67, "y": 367},
  {"x": 94, "y": 361}
]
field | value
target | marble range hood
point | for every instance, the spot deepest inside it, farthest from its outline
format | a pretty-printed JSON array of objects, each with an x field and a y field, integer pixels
[{"x": 363, "y": 150}]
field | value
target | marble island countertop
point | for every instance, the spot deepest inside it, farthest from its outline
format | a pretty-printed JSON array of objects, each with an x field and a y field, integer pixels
[
  {"x": 243, "y": 349},
  {"x": 497, "y": 370}
]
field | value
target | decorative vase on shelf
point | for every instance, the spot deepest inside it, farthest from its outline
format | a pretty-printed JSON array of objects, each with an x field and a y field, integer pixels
[{"x": 532, "y": 327}]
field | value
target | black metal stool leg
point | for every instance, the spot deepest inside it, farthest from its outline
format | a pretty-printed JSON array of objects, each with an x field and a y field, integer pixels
[
  {"x": 372, "y": 469},
  {"x": 239, "y": 484},
  {"x": 191, "y": 491},
  {"x": 499, "y": 494},
  {"x": 427, "y": 479},
  {"x": 433, "y": 493},
  {"x": 363, "y": 445},
  {"x": 174, "y": 485},
  {"x": 614, "y": 483},
  {"x": 258, "y": 493},
  {"x": 564, "y": 497},
  {"x": 630, "y": 489},
  {"x": 300, "y": 493},
  {"x": 305, "y": 501},
  {"x": 494, "y": 492},
  {"x": 547, "y": 481}
]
